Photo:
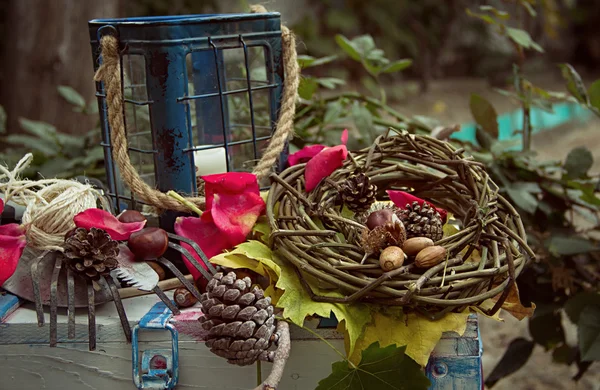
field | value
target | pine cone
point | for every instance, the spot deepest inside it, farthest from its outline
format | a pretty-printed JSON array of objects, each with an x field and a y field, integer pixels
[
  {"x": 358, "y": 193},
  {"x": 91, "y": 253},
  {"x": 239, "y": 319},
  {"x": 422, "y": 221}
]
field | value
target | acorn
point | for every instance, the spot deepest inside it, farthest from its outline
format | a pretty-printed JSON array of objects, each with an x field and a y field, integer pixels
[
  {"x": 158, "y": 269},
  {"x": 184, "y": 298},
  {"x": 430, "y": 256},
  {"x": 391, "y": 258},
  {"x": 149, "y": 243},
  {"x": 129, "y": 216},
  {"x": 414, "y": 245},
  {"x": 379, "y": 218}
]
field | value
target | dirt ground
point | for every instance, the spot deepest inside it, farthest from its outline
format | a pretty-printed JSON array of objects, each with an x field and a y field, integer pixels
[{"x": 448, "y": 101}]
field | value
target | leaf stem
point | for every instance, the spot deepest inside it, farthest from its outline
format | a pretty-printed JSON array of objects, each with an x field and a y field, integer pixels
[
  {"x": 321, "y": 338},
  {"x": 184, "y": 202},
  {"x": 258, "y": 373}
]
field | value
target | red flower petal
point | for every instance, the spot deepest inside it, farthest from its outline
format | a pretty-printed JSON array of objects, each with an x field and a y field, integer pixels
[
  {"x": 12, "y": 243},
  {"x": 104, "y": 220},
  {"x": 323, "y": 165},
  {"x": 1, "y": 206},
  {"x": 304, "y": 155},
  {"x": 401, "y": 199},
  {"x": 206, "y": 234},
  {"x": 229, "y": 183},
  {"x": 344, "y": 137},
  {"x": 236, "y": 214}
]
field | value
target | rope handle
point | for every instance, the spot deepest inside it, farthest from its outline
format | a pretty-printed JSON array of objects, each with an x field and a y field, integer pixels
[{"x": 110, "y": 74}]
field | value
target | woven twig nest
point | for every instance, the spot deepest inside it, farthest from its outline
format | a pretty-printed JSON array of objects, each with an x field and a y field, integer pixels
[{"x": 430, "y": 169}]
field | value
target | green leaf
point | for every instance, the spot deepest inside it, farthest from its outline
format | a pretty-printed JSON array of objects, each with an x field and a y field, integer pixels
[
  {"x": 516, "y": 355},
  {"x": 306, "y": 61},
  {"x": 484, "y": 114},
  {"x": 523, "y": 199},
  {"x": 527, "y": 5},
  {"x": 589, "y": 333},
  {"x": 486, "y": 18},
  {"x": 348, "y": 47},
  {"x": 330, "y": 82},
  {"x": 569, "y": 245},
  {"x": 42, "y": 130},
  {"x": 594, "y": 94},
  {"x": 379, "y": 368},
  {"x": 2, "y": 120},
  {"x": 48, "y": 149},
  {"x": 575, "y": 305},
  {"x": 308, "y": 86},
  {"x": 333, "y": 112},
  {"x": 71, "y": 96},
  {"x": 397, "y": 66},
  {"x": 523, "y": 39},
  {"x": 574, "y": 83},
  {"x": 497, "y": 13},
  {"x": 578, "y": 162},
  {"x": 363, "y": 119},
  {"x": 546, "y": 330}
]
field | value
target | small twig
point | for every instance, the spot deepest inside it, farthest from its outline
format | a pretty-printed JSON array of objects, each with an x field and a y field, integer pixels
[
  {"x": 281, "y": 356},
  {"x": 184, "y": 202}
]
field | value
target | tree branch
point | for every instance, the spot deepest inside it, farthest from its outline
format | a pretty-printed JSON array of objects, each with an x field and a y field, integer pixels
[{"x": 281, "y": 356}]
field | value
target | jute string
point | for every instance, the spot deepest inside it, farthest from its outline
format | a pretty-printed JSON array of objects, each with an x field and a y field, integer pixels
[
  {"x": 50, "y": 204},
  {"x": 110, "y": 74}
]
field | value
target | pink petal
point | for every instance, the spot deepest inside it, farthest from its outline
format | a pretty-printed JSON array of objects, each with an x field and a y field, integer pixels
[
  {"x": 401, "y": 199},
  {"x": 323, "y": 165},
  {"x": 229, "y": 183},
  {"x": 304, "y": 155},
  {"x": 206, "y": 234},
  {"x": 104, "y": 220},
  {"x": 12, "y": 230},
  {"x": 344, "y": 138},
  {"x": 11, "y": 249},
  {"x": 236, "y": 214},
  {"x": 1, "y": 206}
]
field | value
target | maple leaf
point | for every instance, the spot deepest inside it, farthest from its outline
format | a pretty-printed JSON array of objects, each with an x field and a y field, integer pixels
[
  {"x": 419, "y": 334},
  {"x": 387, "y": 368},
  {"x": 513, "y": 304}
]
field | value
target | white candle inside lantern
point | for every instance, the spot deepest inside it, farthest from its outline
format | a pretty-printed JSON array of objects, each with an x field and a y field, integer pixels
[{"x": 210, "y": 161}]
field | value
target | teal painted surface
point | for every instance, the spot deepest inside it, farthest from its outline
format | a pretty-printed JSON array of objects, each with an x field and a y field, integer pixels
[{"x": 540, "y": 120}]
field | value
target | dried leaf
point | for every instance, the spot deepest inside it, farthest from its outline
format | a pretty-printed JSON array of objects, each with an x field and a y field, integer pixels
[
  {"x": 513, "y": 304},
  {"x": 484, "y": 114},
  {"x": 419, "y": 334}
]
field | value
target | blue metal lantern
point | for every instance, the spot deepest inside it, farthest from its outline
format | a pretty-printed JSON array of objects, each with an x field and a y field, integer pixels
[{"x": 201, "y": 92}]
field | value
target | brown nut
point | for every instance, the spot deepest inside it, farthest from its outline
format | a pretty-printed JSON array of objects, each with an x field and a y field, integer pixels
[
  {"x": 129, "y": 216},
  {"x": 184, "y": 298},
  {"x": 149, "y": 243},
  {"x": 414, "y": 245},
  {"x": 391, "y": 258},
  {"x": 379, "y": 218},
  {"x": 158, "y": 269},
  {"x": 430, "y": 256}
]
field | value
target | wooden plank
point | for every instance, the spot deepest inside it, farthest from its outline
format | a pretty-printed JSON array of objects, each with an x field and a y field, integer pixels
[{"x": 8, "y": 304}]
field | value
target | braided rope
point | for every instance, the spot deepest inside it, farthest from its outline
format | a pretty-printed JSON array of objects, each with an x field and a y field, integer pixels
[{"x": 110, "y": 74}]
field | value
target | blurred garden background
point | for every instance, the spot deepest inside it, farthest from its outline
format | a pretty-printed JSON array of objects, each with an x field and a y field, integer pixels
[{"x": 512, "y": 81}]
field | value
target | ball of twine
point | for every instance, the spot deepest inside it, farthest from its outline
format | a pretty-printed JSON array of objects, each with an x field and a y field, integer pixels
[
  {"x": 51, "y": 204},
  {"x": 49, "y": 218}
]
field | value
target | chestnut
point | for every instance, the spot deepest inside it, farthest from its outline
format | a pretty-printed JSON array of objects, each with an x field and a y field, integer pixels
[
  {"x": 129, "y": 216},
  {"x": 149, "y": 243},
  {"x": 379, "y": 218},
  {"x": 184, "y": 298}
]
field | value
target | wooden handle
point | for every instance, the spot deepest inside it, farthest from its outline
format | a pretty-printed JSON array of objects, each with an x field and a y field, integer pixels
[{"x": 165, "y": 285}]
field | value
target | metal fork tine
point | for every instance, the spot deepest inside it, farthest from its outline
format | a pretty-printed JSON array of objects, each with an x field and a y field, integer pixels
[
  {"x": 91, "y": 316},
  {"x": 197, "y": 249},
  {"x": 163, "y": 297},
  {"x": 35, "y": 281},
  {"x": 189, "y": 285},
  {"x": 120, "y": 309},
  {"x": 54, "y": 302},
  {"x": 191, "y": 259},
  {"x": 71, "y": 303}
]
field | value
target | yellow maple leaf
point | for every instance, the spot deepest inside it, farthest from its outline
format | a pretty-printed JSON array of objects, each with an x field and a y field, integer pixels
[
  {"x": 419, "y": 334},
  {"x": 488, "y": 304}
]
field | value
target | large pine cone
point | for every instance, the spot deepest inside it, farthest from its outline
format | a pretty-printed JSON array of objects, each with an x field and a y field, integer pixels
[
  {"x": 358, "y": 193},
  {"x": 91, "y": 253},
  {"x": 422, "y": 221},
  {"x": 239, "y": 319}
]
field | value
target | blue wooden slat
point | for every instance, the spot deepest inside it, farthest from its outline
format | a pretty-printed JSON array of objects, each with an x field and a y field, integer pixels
[{"x": 8, "y": 304}]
